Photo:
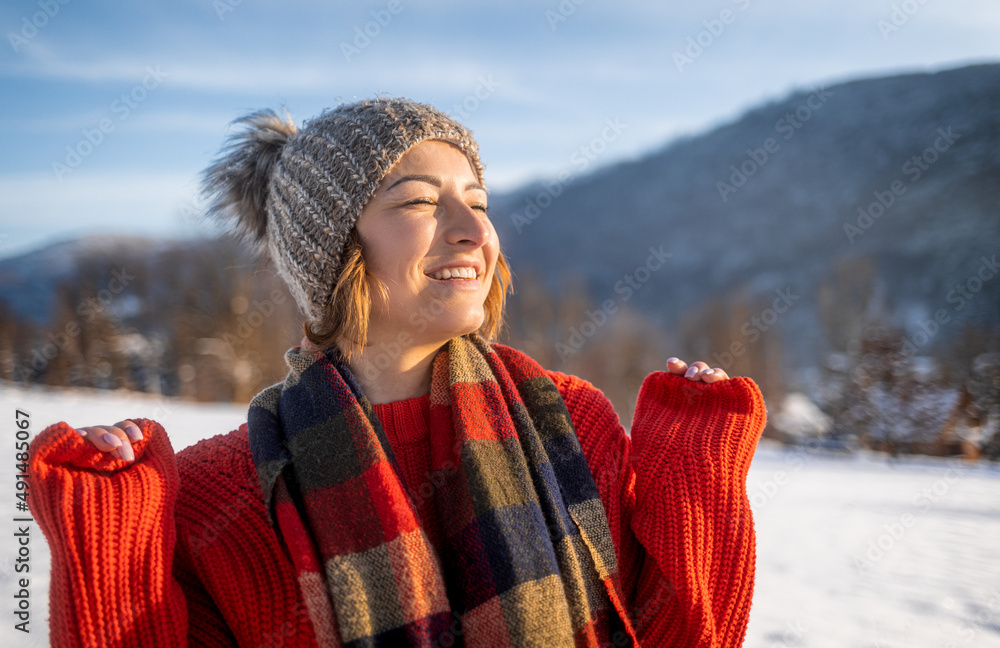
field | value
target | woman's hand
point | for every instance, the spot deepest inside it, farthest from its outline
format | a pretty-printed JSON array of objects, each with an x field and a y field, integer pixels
[
  {"x": 699, "y": 371},
  {"x": 115, "y": 439}
]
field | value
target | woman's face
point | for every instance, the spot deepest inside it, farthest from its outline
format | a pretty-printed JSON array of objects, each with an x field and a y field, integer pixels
[{"x": 426, "y": 236}]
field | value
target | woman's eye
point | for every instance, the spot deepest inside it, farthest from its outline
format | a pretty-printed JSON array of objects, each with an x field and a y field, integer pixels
[
  {"x": 421, "y": 201},
  {"x": 480, "y": 207}
]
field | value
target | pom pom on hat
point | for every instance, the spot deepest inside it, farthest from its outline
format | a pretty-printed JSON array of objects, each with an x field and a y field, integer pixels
[{"x": 237, "y": 183}]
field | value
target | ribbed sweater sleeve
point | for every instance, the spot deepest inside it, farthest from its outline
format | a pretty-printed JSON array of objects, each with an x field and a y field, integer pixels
[
  {"x": 111, "y": 534},
  {"x": 675, "y": 495},
  {"x": 111, "y": 531}
]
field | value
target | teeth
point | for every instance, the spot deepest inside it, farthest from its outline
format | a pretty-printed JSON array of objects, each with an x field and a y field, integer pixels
[{"x": 455, "y": 273}]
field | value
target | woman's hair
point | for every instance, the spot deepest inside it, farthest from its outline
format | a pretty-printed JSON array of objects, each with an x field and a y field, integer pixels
[{"x": 347, "y": 313}]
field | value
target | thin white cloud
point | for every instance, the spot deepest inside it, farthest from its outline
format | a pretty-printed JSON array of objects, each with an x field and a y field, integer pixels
[
  {"x": 244, "y": 74},
  {"x": 35, "y": 208},
  {"x": 49, "y": 201}
]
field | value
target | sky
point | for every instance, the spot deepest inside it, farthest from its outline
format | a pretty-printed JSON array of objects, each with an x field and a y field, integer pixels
[{"x": 110, "y": 111}]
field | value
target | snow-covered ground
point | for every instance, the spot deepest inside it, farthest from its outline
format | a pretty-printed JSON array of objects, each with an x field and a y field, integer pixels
[
  {"x": 864, "y": 552},
  {"x": 852, "y": 552}
]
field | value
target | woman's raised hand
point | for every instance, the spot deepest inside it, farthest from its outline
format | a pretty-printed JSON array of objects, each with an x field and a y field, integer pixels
[
  {"x": 116, "y": 439},
  {"x": 698, "y": 371}
]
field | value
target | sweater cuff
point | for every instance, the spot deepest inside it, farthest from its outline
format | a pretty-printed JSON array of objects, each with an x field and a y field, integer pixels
[
  {"x": 60, "y": 445},
  {"x": 737, "y": 395},
  {"x": 714, "y": 423}
]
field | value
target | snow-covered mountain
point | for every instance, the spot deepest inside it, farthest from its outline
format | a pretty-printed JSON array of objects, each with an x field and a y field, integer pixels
[
  {"x": 903, "y": 171},
  {"x": 29, "y": 281},
  {"x": 900, "y": 172}
]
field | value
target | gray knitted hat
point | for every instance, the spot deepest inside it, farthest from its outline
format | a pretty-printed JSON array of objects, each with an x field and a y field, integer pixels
[{"x": 298, "y": 193}]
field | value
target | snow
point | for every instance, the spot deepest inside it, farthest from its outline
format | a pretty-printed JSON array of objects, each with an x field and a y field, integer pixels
[
  {"x": 867, "y": 552},
  {"x": 799, "y": 417},
  {"x": 852, "y": 551}
]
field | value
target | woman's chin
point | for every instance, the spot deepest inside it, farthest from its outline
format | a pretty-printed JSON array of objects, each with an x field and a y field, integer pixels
[{"x": 458, "y": 329}]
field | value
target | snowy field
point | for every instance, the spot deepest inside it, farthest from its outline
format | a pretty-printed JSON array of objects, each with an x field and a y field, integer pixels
[{"x": 852, "y": 552}]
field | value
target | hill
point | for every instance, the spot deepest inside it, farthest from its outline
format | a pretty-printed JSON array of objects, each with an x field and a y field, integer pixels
[{"x": 898, "y": 174}]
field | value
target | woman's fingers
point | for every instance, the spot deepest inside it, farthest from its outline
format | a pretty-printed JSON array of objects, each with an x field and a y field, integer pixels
[
  {"x": 695, "y": 369},
  {"x": 676, "y": 366},
  {"x": 131, "y": 429},
  {"x": 713, "y": 375},
  {"x": 698, "y": 371},
  {"x": 113, "y": 438}
]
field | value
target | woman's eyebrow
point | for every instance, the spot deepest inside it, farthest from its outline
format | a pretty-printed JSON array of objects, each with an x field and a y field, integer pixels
[
  {"x": 432, "y": 180},
  {"x": 429, "y": 179}
]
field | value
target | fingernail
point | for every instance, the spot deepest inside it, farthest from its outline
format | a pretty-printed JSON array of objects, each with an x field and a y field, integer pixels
[
  {"x": 127, "y": 453},
  {"x": 708, "y": 372},
  {"x": 81, "y": 431},
  {"x": 111, "y": 439},
  {"x": 133, "y": 433},
  {"x": 691, "y": 372},
  {"x": 672, "y": 359}
]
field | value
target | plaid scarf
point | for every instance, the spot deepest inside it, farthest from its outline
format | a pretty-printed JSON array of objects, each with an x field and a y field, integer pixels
[{"x": 527, "y": 557}]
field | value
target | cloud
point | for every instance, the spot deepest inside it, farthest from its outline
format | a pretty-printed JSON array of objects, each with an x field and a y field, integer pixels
[
  {"x": 36, "y": 208},
  {"x": 95, "y": 196},
  {"x": 556, "y": 87}
]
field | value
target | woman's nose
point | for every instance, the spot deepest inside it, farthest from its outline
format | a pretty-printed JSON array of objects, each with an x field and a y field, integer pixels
[{"x": 466, "y": 225}]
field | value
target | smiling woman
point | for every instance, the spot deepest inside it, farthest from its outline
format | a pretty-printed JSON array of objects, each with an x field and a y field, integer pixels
[
  {"x": 449, "y": 492},
  {"x": 428, "y": 246}
]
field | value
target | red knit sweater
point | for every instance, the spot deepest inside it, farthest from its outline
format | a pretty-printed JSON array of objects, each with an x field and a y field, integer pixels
[
  {"x": 176, "y": 550},
  {"x": 406, "y": 425}
]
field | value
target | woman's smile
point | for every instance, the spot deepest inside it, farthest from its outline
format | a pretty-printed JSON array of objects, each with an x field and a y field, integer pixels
[{"x": 460, "y": 275}]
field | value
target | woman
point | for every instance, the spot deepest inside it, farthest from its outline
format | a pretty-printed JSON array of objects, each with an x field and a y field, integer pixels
[{"x": 409, "y": 483}]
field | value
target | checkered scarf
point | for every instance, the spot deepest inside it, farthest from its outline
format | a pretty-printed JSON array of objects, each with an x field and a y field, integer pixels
[{"x": 527, "y": 556}]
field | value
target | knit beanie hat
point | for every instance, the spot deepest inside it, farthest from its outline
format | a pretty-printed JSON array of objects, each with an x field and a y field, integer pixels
[{"x": 298, "y": 193}]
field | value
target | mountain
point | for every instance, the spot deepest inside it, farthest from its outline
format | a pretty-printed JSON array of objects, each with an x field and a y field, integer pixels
[
  {"x": 900, "y": 172},
  {"x": 29, "y": 281},
  {"x": 893, "y": 179}
]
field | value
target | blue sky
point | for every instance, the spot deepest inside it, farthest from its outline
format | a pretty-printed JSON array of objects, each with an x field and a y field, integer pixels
[{"x": 111, "y": 110}]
